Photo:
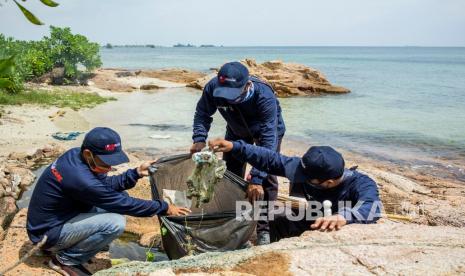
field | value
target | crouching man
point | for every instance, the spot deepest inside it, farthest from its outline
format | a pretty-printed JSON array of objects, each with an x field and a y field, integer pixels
[
  {"x": 318, "y": 176},
  {"x": 80, "y": 209}
]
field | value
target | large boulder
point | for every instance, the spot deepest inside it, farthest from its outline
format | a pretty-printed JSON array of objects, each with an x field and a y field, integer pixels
[
  {"x": 287, "y": 79},
  {"x": 291, "y": 79},
  {"x": 383, "y": 248}
]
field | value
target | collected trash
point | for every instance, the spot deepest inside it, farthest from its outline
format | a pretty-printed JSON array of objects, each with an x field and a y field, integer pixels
[
  {"x": 66, "y": 136},
  {"x": 206, "y": 174},
  {"x": 156, "y": 136},
  {"x": 215, "y": 227},
  {"x": 178, "y": 198}
]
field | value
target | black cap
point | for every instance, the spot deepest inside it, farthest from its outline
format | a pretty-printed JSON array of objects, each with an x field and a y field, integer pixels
[
  {"x": 106, "y": 144},
  {"x": 322, "y": 163},
  {"x": 232, "y": 78}
]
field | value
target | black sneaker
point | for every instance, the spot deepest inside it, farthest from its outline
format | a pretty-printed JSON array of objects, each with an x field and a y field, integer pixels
[{"x": 68, "y": 270}]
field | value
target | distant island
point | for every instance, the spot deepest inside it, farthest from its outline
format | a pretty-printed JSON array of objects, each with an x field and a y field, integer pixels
[
  {"x": 110, "y": 46},
  {"x": 184, "y": 45},
  {"x": 179, "y": 45}
]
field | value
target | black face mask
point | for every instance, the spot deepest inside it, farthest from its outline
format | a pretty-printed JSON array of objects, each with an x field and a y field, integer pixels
[{"x": 316, "y": 186}]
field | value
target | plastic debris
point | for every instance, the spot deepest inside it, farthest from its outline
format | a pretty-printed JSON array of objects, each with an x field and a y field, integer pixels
[
  {"x": 206, "y": 174},
  {"x": 66, "y": 136}
]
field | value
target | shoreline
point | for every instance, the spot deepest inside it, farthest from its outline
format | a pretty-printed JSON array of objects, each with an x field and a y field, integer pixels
[{"x": 403, "y": 189}]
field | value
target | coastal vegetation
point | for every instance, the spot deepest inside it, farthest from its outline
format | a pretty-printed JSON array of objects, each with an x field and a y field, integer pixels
[
  {"x": 23, "y": 61},
  {"x": 57, "y": 97}
]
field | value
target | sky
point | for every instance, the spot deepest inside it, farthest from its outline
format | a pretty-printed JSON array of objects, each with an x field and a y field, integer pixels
[{"x": 248, "y": 22}]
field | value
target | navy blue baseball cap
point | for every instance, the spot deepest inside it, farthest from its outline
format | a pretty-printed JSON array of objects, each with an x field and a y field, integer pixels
[
  {"x": 106, "y": 144},
  {"x": 319, "y": 162},
  {"x": 232, "y": 78}
]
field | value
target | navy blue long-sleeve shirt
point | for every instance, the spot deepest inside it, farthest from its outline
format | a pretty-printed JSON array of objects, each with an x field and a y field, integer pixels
[
  {"x": 262, "y": 114},
  {"x": 68, "y": 187},
  {"x": 358, "y": 191}
]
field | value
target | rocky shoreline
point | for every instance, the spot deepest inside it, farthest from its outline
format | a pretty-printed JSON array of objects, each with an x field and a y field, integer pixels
[
  {"x": 287, "y": 79},
  {"x": 427, "y": 234}
]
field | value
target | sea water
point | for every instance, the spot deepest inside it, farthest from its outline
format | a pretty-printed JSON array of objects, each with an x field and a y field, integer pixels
[{"x": 405, "y": 101}]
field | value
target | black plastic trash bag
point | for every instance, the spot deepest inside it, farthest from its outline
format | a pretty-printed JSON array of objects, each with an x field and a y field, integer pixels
[{"x": 214, "y": 226}]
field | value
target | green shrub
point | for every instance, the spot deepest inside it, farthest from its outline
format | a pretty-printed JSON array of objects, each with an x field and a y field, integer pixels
[
  {"x": 35, "y": 58},
  {"x": 68, "y": 51},
  {"x": 9, "y": 78}
]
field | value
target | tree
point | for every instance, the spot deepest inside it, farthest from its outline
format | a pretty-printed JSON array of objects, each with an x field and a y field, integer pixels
[{"x": 68, "y": 51}]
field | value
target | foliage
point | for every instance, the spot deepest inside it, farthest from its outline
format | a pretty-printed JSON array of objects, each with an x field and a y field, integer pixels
[
  {"x": 60, "y": 98},
  {"x": 9, "y": 80},
  {"x": 29, "y": 15},
  {"x": 33, "y": 59},
  {"x": 68, "y": 51}
]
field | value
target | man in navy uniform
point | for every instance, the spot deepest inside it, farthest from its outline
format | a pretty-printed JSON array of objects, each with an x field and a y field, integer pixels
[
  {"x": 318, "y": 176},
  {"x": 253, "y": 114},
  {"x": 79, "y": 208}
]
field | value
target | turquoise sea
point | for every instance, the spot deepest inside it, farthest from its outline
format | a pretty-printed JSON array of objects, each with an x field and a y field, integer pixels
[{"x": 406, "y": 102}]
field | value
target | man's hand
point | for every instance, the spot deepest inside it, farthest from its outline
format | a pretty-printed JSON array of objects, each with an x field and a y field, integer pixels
[
  {"x": 220, "y": 145},
  {"x": 143, "y": 169},
  {"x": 196, "y": 147},
  {"x": 334, "y": 222},
  {"x": 174, "y": 210},
  {"x": 255, "y": 192}
]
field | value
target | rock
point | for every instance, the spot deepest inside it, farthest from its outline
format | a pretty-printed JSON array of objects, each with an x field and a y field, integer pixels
[
  {"x": 18, "y": 156},
  {"x": 7, "y": 210},
  {"x": 20, "y": 176},
  {"x": 173, "y": 75},
  {"x": 383, "y": 248},
  {"x": 287, "y": 79},
  {"x": 201, "y": 82},
  {"x": 58, "y": 75},
  {"x": 400, "y": 182},
  {"x": 149, "y": 87},
  {"x": 150, "y": 239},
  {"x": 125, "y": 74},
  {"x": 106, "y": 79},
  {"x": 291, "y": 79}
]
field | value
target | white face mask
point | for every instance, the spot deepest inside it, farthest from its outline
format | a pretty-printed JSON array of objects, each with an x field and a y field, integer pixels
[{"x": 245, "y": 96}]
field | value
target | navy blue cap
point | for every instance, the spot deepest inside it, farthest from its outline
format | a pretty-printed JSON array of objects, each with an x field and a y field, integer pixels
[
  {"x": 106, "y": 144},
  {"x": 232, "y": 78},
  {"x": 322, "y": 163}
]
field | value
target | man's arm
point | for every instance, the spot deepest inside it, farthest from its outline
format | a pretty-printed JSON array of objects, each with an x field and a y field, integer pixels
[
  {"x": 261, "y": 158},
  {"x": 121, "y": 182},
  {"x": 267, "y": 110},
  {"x": 99, "y": 194},
  {"x": 368, "y": 204},
  {"x": 203, "y": 115}
]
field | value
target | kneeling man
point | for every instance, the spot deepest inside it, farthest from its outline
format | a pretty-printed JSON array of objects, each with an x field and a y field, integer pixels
[
  {"x": 80, "y": 209},
  {"x": 318, "y": 176}
]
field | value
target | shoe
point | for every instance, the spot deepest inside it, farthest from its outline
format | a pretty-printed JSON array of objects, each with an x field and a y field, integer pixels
[
  {"x": 68, "y": 270},
  {"x": 263, "y": 238}
]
